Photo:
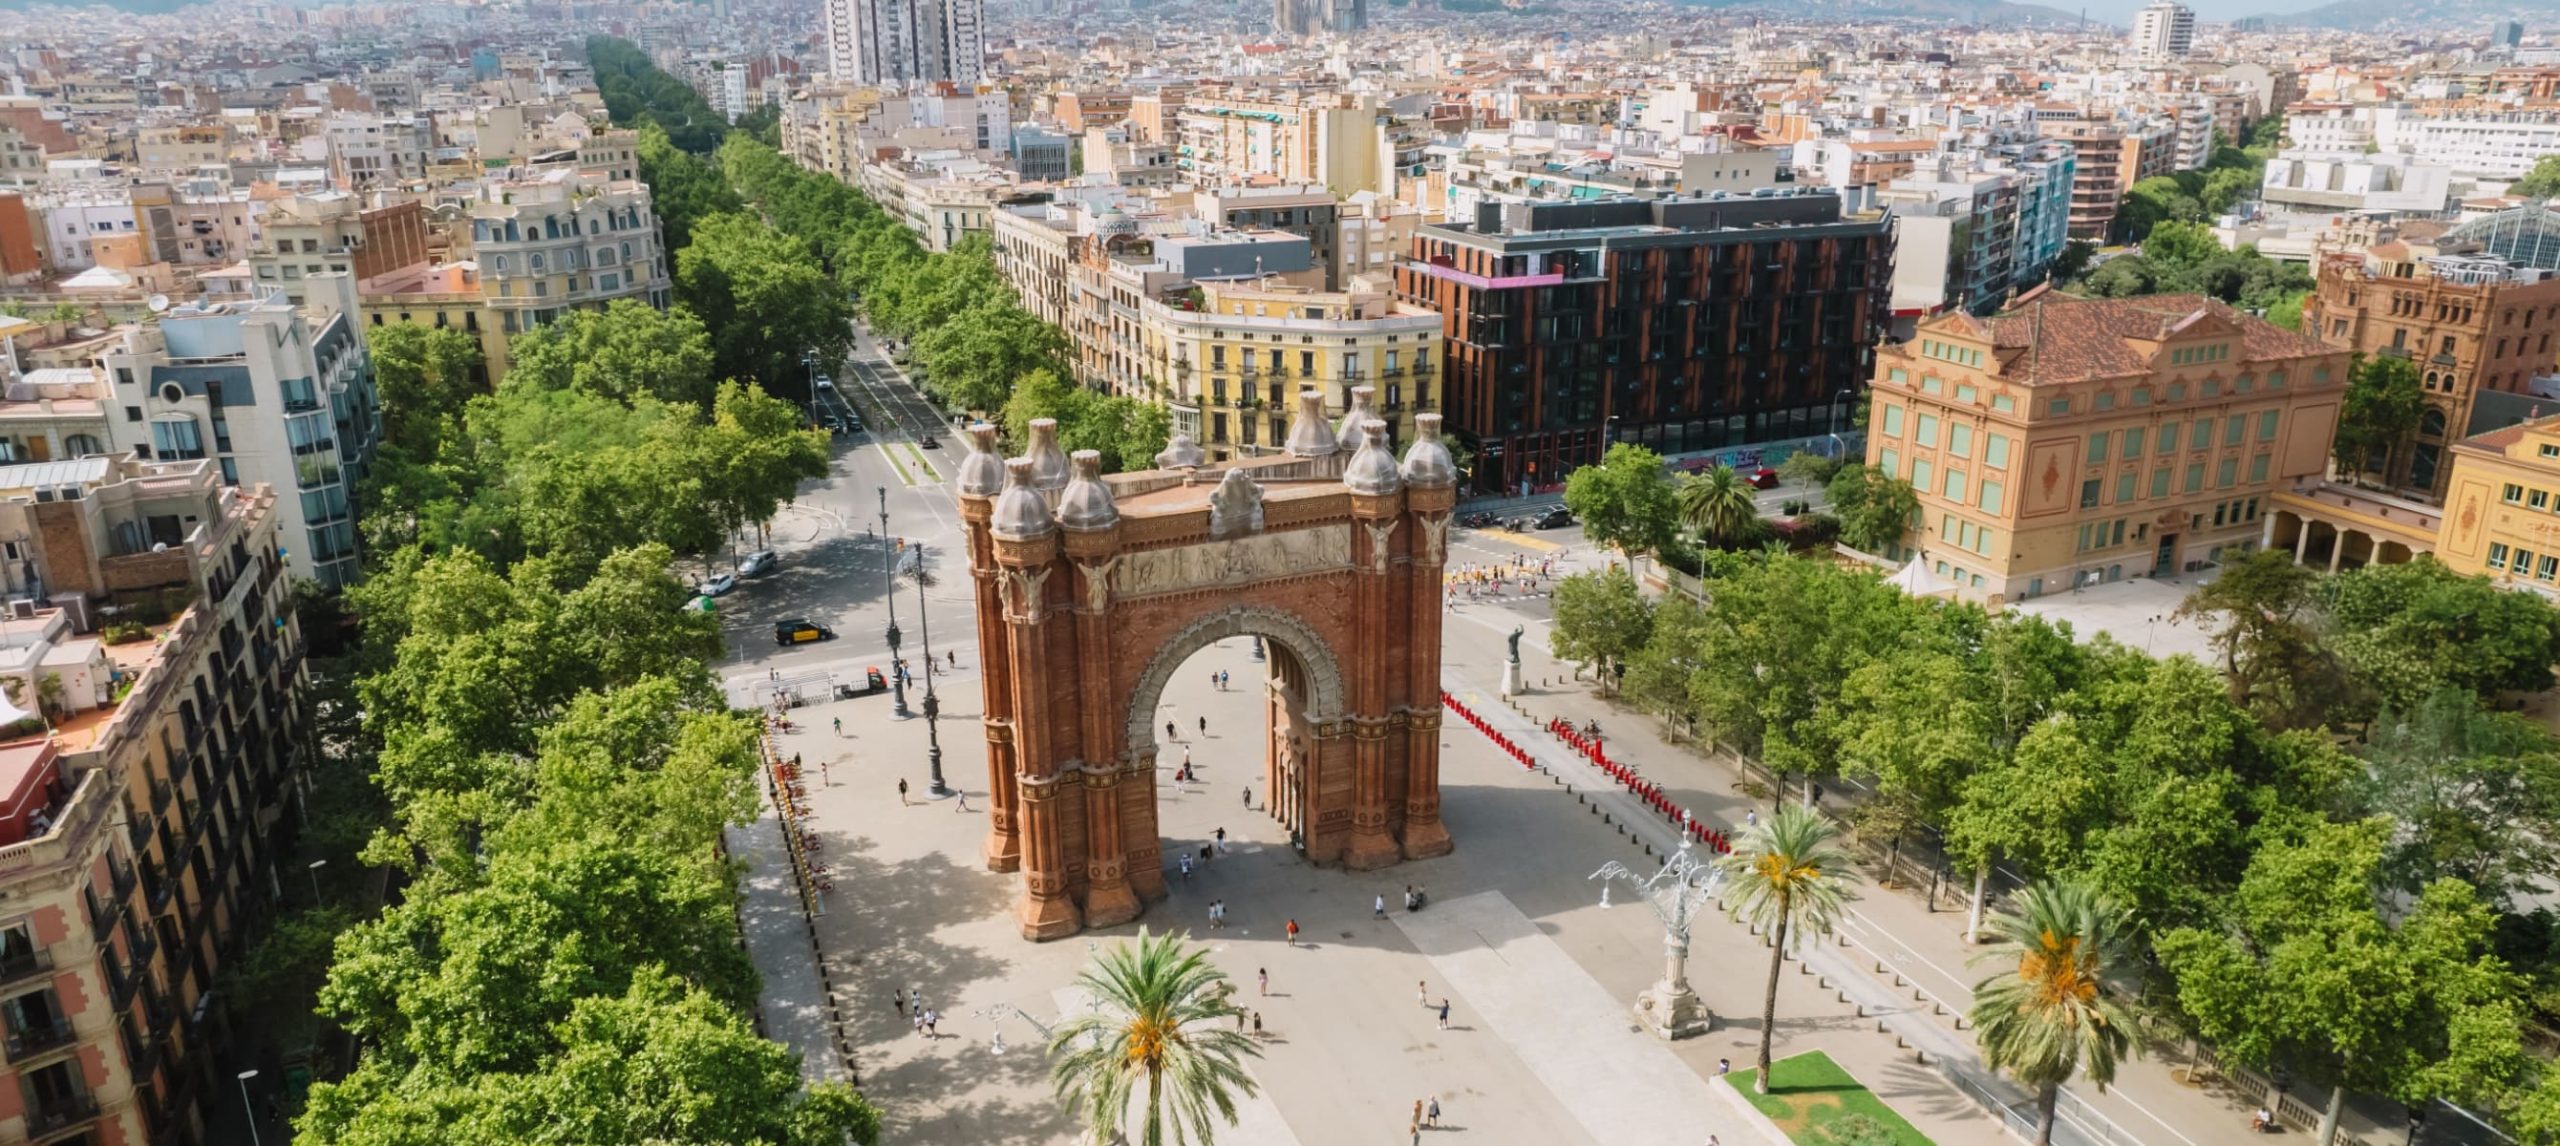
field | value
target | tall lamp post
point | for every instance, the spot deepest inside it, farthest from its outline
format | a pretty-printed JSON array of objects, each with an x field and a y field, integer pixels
[
  {"x": 1685, "y": 884},
  {"x": 247, "y": 1109},
  {"x": 897, "y": 682},
  {"x": 932, "y": 704}
]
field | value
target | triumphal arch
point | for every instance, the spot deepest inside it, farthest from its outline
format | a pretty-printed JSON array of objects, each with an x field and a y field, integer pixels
[{"x": 1092, "y": 590}]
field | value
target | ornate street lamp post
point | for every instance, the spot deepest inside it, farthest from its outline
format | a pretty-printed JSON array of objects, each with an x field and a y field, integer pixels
[
  {"x": 932, "y": 705},
  {"x": 1676, "y": 894},
  {"x": 897, "y": 682}
]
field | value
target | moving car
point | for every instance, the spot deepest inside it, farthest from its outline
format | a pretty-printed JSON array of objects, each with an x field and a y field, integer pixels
[
  {"x": 826, "y": 383},
  {"x": 719, "y": 585},
  {"x": 758, "y": 563},
  {"x": 1556, "y": 518},
  {"x": 800, "y": 630},
  {"x": 929, "y": 442},
  {"x": 1764, "y": 478}
]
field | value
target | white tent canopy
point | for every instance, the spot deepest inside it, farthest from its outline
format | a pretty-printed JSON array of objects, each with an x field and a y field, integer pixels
[{"x": 1915, "y": 580}]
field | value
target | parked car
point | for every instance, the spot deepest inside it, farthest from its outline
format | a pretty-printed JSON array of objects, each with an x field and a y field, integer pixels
[
  {"x": 1478, "y": 520},
  {"x": 1764, "y": 478},
  {"x": 719, "y": 585},
  {"x": 872, "y": 684},
  {"x": 800, "y": 630},
  {"x": 758, "y": 563},
  {"x": 1556, "y": 518}
]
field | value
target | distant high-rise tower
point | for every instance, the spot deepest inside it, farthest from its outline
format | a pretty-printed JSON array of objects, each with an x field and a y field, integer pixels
[
  {"x": 1307, "y": 17},
  {"x": 906, "y": 41},
  {"x": 2164, "y": 31},
  {"x": 2505, "y": 35}
]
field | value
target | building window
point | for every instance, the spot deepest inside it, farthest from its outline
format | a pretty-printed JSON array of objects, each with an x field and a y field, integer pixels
[
  {"x": 1991, "y": 496},
  {"x": 2258, "y": 467},
  {"x": 1890, "y": 462},
  {"x": 2124, "y": 487},
  {"x": 2097, "y": 447},
  {"x": 2267, "y": 426},
  {"x": 1960, "y": 441},
  {"x": 2497, "y": 554},
  {"x": 2195, "y": 477},
  {"x": 2513, "y": 494},
  {"x": 2132, "y": 443},
  {"x": 2235, "y": 428},
  {"x": 1927, "y": 432},
  {"x": 177, "y": 439},
  {"x": 1893, "y": 422},
  {"x": 2226, "y": 474},
  {"x": 1921, "y": 472},
  {"x": 1955, "y": 486},
  {"x": 2058, "y": 406},
  {"x": 2201, "y": 437},
  {"x": 2089, "y": 494}
]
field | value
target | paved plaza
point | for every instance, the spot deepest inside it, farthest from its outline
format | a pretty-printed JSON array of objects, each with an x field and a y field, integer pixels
[{"x": 1541, "y": 1046}]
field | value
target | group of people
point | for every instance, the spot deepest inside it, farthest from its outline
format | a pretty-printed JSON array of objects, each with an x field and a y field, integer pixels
[
  {"x": 910, "y": 1004},
  {"x": 1518, "y": 575}
]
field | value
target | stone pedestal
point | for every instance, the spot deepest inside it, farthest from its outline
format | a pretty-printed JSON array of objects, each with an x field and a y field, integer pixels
[
  {"x": 1511, "y": 685},
  {"x": 1673, "y": 1011}
]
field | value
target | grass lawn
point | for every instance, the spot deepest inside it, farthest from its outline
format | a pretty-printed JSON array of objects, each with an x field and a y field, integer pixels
[{"x": 1810, "y": 1090}]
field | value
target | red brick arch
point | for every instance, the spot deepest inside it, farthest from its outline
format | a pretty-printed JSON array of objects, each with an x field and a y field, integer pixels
[{"x": 1093, "y": 593}]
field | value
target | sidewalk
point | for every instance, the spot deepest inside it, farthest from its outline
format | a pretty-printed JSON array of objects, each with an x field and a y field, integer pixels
[
  {"x": 791, "y": 1003},
  {"x": 1891, "y": 937}
]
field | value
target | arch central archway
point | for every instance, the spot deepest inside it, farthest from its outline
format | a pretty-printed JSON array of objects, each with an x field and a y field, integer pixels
[{"x": 1093, "y": 591}]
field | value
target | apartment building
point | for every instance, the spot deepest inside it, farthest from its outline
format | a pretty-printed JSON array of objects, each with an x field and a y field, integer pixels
[
  {"x": 2306, "y": 180},
  {"x": 1238, "y": 352},
  {"x": 905, "y": 41},
  {"x": 144, "y": 816},
  {"x": 1684, "y": 324},
  {"x": 2480, "y": 140},
  {"x": 2501, "y": 493},
  {"x": 565, "y": 240},
  {"x": 1971, "y": 230},
  {"x": 2164, "y": 31},
  {"x": 1328, "y": 140},
  {"x": 2467, "y": 323},
  {"x": 272, "y": 394},
  {"x": 1310, "y": 212},
  {"x": 183, "y": 147},
  {"x": 2108, "y": 159},
  {"x": 1126, "y": 262},
  {"x": 2075, "y": 441}
]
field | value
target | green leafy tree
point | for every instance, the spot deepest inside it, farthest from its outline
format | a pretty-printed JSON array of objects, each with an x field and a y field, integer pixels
[
  {"x": 2046, "y": 1017},
  {"x": 683, "y": 188},
  {"x": 2176, "y": 245},
  {"x": 2124, "y": 276},
  {"x": 1601, "y": 619},
  {"x": 2228, "y": 188},
  {"x": 626, "y": 352},
  {"x": 765, "y": 300},
  {"x": 1913, "y": 724},
  {"x": 2408, "y": 631},
  {"x": 2260, "y": 611},
  {"x": 2542, "y": 182},
  {"x": 1806, "y": 467},
  {"x": 1875, "y": 509},
  {"x": 657, "y": 1062},
  {"x": 1780, "y": 636},
  {"x": 1787, "y": 875},
  {"x": 2287, "y": 310},
  {"x": 2308, "y": 976},
  {"x": 1717, "y": 506},
  {"x": 1626, "y": 502},
  {"x": 2074, "y": 260},
  {"x": 2151, "y": 202},
  {"x": 974, "y": 360},
  {"x": 2476, "y": 795},
  {"x": 424, "y": 374},
  {"x": 2381, "y": 408},
  {"x": 1158, "y": 1039}
]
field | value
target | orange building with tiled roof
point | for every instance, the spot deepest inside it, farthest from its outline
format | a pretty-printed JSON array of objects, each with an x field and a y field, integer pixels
[
  {"x": 2073, "y": 441},
  {"x": 2502, "y": 507}
]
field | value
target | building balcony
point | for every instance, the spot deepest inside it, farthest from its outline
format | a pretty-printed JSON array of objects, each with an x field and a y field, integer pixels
[
  {"x": 33, "y": 1041},
  {"x": 24, "y": 965},
  {"x": 52, "y": 1116}
]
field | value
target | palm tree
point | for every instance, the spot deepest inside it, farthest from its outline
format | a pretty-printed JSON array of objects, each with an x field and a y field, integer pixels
[
  {"x": 2048, "y": 1019},
  {"x": 1786, "y": 874},
  {"x": 1158, "y": 1034},
  {"x": 1717, "y": 506}
]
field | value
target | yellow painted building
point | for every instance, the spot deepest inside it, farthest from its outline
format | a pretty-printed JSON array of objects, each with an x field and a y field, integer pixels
[
  {"x": 2076, "y": 441},
  {"x": 1239, "y": 353},
  {"x": 2502, "y": 507}
]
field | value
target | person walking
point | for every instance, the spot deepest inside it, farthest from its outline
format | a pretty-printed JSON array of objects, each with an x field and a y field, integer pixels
[
  {"x": 1724, "y": 1066},
  {"x": 933, "y": 1019},
  {"x": 839, "y": 726},
  {"x": 1186, "y": 759},
  {"x": 1257, "y": 1026},
  {"x": 1213, "y": 915},
  {"x": 898, "y": 999},
  {"x": 1204, "y": 726},
  {"x": 1414, "y": 1128},
  {"x": 1168, "y": 730},
  {"x": 1262, "y": 976},
  {"x": 1293, "y": 933},
  {"x": 1417, "y": 1112},
  {"x": 1221, "y": 836},
  {"x": 1431, "y": 1113},
  {"x": 1378, "y": 908},
  {"x": 1185, "y": 861},
  {"x": 1444, "y": 1013},
  {"x": 902, "y": 792},
  {"x": 963, "y": 804},
  {"x": 1248, "y": 797},
  {"x": 1422, "y": 993},
  {"x": 955, "y": 658}
]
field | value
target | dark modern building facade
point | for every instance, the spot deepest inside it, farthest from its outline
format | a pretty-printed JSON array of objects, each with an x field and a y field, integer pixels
[{"x": 1682, "y": 324}]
